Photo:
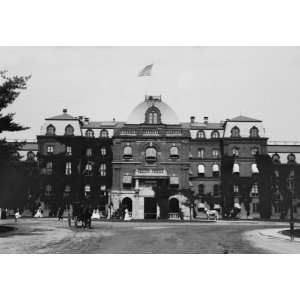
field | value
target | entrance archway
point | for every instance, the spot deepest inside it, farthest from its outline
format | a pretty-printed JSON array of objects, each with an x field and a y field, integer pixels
[
  {"x": 127, "y": 203},
  {"x": 173, "y": 205},
  {"x": 174, "y": 209}
]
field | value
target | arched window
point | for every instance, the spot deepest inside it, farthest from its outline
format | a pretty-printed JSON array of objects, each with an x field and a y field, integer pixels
[
  {"x": 235, "y": 151},
  {"x": 89, "y": 152},
  {"x": 216, "y": 170},
  {"x": 215, "y": 134},
  {"x": 201, "y": 170},
  {"x": 151, "y": 154},
  {"x": 30, "y": 155},
  {"x": 153, "y": 115},
  {"x": 103, "y": 151},
  {"x": 89, "y": 133},
  {"x": 127, "y": 152},
  {"x": 49, "y": 168},
  {"x": 254, "y": 169},
  {"x": 104, "y": 133},
  {"x": 68, "y": 168},
  {"x": 88, "y": 169},
  {"x": 235, "y": 132},
  {"x": 201, "y": 134},
  {"x": 48, "y": 190},
  {"x": 276, "y": 158},
  {"x": 174, "y": 153},
  {"x": 103, "y": 170},
  {"x": 254, "y": 133},
  {"x": 201, "y": 153},
  {"x": 69, "y": 130},
  {"x": 50, "y": 130}
]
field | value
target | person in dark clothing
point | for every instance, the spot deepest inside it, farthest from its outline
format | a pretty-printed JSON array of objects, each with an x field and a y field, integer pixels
[{"x": 60, "y": 213}]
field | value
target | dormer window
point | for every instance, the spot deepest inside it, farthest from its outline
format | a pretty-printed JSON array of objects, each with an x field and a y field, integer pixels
[
  {"x": 89, "y": 133},
  {"x": 69, "y": 130},
  {"x": 153, "y": 115},
  {"x": 104, "y": 133},
  {"x": 50, "y": 130},
  {"x": 254, "y": 132},
  {"x": 201, "y": 134},
  {"x": 235, "y": 132},
  {"x": 151, "y": 154},
  {"x": 276, "y": 158},
  {"x": 215, "y": 134},
  {"x": 291, "y": 158},
  {"x": 30, "y": 156}
]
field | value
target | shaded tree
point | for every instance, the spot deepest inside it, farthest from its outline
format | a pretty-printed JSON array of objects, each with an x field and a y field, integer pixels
[{"x": 12, "y": 174}]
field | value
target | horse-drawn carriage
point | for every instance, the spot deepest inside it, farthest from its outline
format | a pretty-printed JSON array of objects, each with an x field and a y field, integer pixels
[{"x": 82, "y": 212}]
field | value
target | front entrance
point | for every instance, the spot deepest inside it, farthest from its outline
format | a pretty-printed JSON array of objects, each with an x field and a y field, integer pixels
[{"x": 150, "y": 208}]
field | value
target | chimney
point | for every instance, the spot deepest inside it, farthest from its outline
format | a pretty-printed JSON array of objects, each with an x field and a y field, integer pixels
[
  {"x": 192, "y": 119},
  {"x": 205, "y": 120},
  {"x": 65, "y": 110}
]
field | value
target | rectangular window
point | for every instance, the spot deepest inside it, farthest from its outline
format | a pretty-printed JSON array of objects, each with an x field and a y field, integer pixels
[
  {"x": 216, "y": 190},
  {"x": 236, "y": 189},
  {"x": 255, "y": 207},
  {"x": 103, "y": 170},
  {"x": 50, "y": 149},
  {"x": 68, "y": 168},
  {"x": 69, "y": 150},
  {"x": 215, "y": 153},
  {"x": 88, "y": 152},
  {"x": 201, "y": 189}
]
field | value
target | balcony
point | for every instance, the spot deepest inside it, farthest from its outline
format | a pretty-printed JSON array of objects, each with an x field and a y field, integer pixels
[{"x": 151, "y": 173}]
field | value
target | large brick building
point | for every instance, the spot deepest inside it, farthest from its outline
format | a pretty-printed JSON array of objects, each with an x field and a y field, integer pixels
[{"x": 122, "y": 164}]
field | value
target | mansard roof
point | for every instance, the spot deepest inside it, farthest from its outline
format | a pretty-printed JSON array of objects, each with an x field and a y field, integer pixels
[
  {"x": 241, "y": 118},
  {"x": 102, "y": 124},
  {"x": 201, "y": 125}
]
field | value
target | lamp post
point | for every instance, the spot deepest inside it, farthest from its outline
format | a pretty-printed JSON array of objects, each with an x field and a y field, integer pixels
[{"x": 291, "y": 182}]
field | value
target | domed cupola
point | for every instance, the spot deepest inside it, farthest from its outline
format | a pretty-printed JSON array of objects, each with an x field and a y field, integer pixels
[{"x": 153, "y": 111}]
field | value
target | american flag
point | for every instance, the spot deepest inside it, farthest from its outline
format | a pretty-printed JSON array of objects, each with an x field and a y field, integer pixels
[{"x": 146, "y": 71}]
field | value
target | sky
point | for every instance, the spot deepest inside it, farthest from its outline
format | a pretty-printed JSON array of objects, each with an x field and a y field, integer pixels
[{"x": 102, "y": 83}]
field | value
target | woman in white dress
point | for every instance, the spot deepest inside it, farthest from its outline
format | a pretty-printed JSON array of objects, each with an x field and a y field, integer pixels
[
  {"x": 127, "y": 217},
  {"x": 38, "y": 213}
]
